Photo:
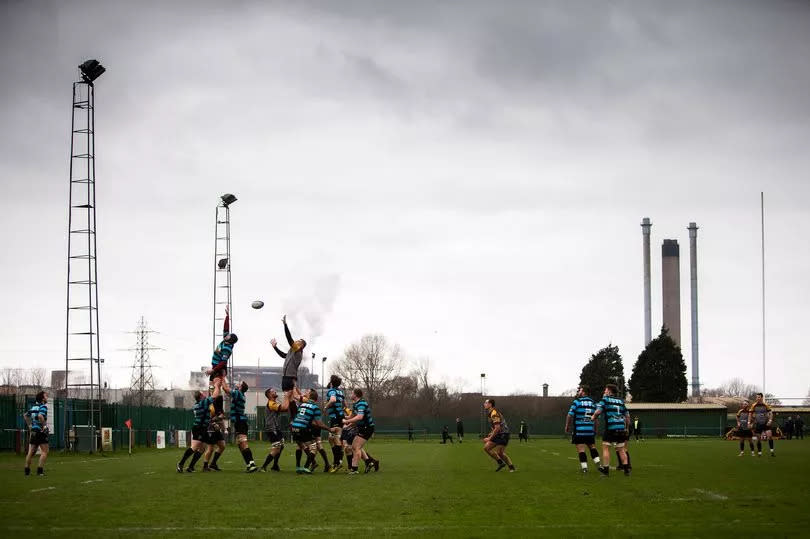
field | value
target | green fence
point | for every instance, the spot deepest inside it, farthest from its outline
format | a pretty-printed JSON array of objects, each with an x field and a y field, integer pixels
[{"x": 146, "y": 421}]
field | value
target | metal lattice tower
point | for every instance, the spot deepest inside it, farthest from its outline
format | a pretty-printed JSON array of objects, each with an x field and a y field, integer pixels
[
  {"x": 82, "y": 348},
  {"x": 142, "y": 383},
  {"x": 222, "y": 272}
]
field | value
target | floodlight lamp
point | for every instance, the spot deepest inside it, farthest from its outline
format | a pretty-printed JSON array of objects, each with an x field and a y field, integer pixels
[
  {"x": 223, "y": 262},
  {"x": 91, "y": 70},
  {"x": 228, "y": 199}
]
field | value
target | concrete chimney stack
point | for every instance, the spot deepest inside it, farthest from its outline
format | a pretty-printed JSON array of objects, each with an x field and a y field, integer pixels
[
  {"x": 671, "y": 288},
  {"x": 694, "y": 290},
  {"x": 645, "y": 235}
]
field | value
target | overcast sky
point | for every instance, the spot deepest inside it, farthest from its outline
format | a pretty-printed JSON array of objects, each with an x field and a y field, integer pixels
[{"x": 467, "y": 178}]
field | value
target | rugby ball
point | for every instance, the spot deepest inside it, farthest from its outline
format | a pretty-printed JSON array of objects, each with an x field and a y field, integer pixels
[{"x": 258, "y": 304}]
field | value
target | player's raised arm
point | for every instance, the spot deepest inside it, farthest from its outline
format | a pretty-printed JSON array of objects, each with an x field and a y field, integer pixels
[
  {"x": 226, "y": 325},
  {"x": 274, "y": 344},
  {"x": 287, "y": 333}
]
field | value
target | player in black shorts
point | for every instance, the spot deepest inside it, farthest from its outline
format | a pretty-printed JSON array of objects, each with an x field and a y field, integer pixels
[
  {"x": 743, "y": 429},
  {"x": 240, "y": 421},
  {"x": 37, "y": 420},
  {"x": 289, "y": 373},
  {"x": 335, "y": 401},
  {"x": 272, "y": 430},
  {"x": 495, "y": 444},
  {"x": 215, "y": 440},
  {"x": 199, "y": 432},
  {"x": 364, "y": 421}
]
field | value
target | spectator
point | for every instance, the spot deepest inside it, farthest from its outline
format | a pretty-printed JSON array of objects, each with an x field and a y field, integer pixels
[
  {"x": 788, "y": 428},
  {"x": 459, "y": 429},
  {"x": 410, "y": 432},
  {"x": 636, "y": 427},
  {"x": 523, "y": 433},
  {"x": 798, "y": 427}
]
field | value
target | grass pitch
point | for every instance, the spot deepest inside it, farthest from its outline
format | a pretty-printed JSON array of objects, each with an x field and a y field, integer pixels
[{"x": 683, "y": 488}]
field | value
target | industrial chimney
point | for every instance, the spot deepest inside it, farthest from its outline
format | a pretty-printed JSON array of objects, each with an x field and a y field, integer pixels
[{"x": 671, "y": 288}]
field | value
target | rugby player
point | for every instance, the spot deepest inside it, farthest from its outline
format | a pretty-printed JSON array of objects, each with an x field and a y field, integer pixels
[
  {"x": 495, "y": 444},
  {"x": 362, "y": 418},
  {"x": 583, "y": 435},
  {"x": 239, "y": 420},
  {"x": 760, "y": 416},
  {"x": 272, "y": 429},
  {"x": 617, "y": 423},
  {"x": 744, "y": 429},
  {"x": 316, "y": 446},
  {"x": 215, "y": 439},
  {"x": 308, "y": 416},
  {"x": 36, "y": 418},
  {"x": 199, "y": 432},
  {"x": 219, "y": 367},
  {"x": 335, "y": 401},
  {"x": 289, "y": 374}
]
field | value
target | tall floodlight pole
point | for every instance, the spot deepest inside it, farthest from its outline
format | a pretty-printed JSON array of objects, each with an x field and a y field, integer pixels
[
  {"x": 762, "y": 215},
  {"x": 82, "y": 341},
  {"x": 222, "y": 272},
  {"x": 645, "y": 234},
  {"x": 323, "y": 365},
  {"x": 693, "y": 286}
]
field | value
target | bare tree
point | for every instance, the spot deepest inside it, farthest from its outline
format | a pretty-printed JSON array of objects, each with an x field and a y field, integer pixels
[
  {"x": 370, "y": 363},
  {"x": 38, "y": 377},
  {"x": 142, "y": 398},
  {"x": 806, "y": 402},
  {"x": 736, "y": 387}
]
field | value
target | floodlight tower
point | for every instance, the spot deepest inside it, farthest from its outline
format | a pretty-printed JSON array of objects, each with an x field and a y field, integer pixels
[
  {"x": 222, "y": 271},
  {"x": 82, "y": 350}
]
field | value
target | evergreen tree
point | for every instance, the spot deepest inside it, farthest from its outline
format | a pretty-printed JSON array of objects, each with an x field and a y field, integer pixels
[
  {"x": 659, "y": 375},
  {"x": 604, "y": 367}
]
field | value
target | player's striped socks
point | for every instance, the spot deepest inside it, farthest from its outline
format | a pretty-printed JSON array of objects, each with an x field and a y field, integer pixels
[
  {"x": 583, "y": 460},
  {"x": 594, "y": 456}
]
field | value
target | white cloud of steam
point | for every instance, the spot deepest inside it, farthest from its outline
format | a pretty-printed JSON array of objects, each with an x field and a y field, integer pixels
[{"x": 307, "y": 312}]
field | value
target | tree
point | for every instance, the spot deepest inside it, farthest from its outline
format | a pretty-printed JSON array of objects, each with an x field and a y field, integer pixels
[
  {"x": 806, "y": 401},
  {"x": 736, "y": 387},
  {"x": 659, "y": 375},
  {"x": 604, "y": 367},
  {"x": 147, "y": 397},
  {"x": 370, "y": 363}
]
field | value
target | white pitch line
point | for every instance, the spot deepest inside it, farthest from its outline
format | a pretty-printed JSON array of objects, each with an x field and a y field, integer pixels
[
  {"x": 92, "y": 481},
  {"x": 555, "y": 454},
  {"x": 710, "y": 494},
  {"x": 148, "y": 473},
  {"x": 41, "y": 489}
]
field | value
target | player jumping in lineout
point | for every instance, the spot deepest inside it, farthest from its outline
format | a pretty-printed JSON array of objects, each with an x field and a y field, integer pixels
[
  {"x": 289, "y": 375},
  {"x": 219, "y": 368}
]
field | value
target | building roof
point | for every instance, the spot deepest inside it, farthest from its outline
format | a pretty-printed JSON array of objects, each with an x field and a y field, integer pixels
[{"x": 673, "y": 406}]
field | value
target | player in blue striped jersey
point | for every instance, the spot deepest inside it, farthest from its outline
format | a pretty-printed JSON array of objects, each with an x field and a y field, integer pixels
[
  {"x": 307, "y": 416},
  {"x": 36, "y": 417},
  {"x": 199, "y": 431},
  {"x": 617, "y": 423},
  {"x": 584, "y": 433},
  {"x": 219, "y": 367},
  {"x": 239, "y": 421},
  {"x": 362, "y": 418},
  {"x": 335, "y": 401}
]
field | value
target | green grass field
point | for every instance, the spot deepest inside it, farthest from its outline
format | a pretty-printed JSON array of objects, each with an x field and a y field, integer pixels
[{"x": 682, "y": 488}]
